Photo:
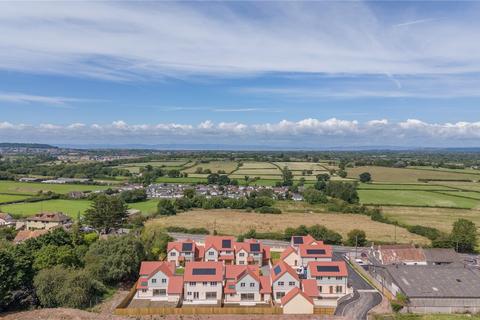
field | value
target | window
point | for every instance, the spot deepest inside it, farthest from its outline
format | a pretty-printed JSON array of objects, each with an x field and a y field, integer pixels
[
  {"x": 280, "y": 283},
  {"x": 247, "y": 296},
  {"x": 339, "y": 278},
  {"x": 164, "y": 280},
  {"x": 211, "y": 253},
  {"x": 204, "y": 283},
  {"x": 252, "y": 284},
  {"x": 211, "y": 295},
  {"x": 331, "y": 289},
  {"x": 319, "y": 278},
  {"x": 280, "y": 295},
  {"x": 339, "y": 289},
  {"x": 192, "y": 284},
  {"x": 144, "y": 290},
  {"x": 173, "y": 254},
  {"x": 189, "y": 293},
  {"x": 242, "y": 284},
  {"x": 159, "y": 292},
  {"x": 320, "y": 289},
  {"x": 241, "y": 254},
  {"x": 213, "y": 284},
  {"x": 291, "y": 283},
  {"x": 241, "y": 262},
  {"x": 154, "y": 280}
]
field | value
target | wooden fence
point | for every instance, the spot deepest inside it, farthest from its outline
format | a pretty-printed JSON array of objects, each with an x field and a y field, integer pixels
[
  {"x": 197, "y": 310},
  {"x": 330, "y": 311}
]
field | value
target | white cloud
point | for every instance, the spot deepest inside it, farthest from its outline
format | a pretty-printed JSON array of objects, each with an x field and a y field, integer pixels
[
  {"x": 16, "y": 97},
  {"x": 118, "y": 40},
  {"x": 310, "y": 131}
]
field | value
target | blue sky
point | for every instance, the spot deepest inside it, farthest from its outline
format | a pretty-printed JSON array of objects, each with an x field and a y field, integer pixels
[{"x": 313, "y": 74}]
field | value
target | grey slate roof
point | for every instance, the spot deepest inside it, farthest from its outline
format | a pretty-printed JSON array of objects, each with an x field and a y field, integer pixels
[
  {"x": 437, "y": 281},
  {"x": 441, "y": 255}
]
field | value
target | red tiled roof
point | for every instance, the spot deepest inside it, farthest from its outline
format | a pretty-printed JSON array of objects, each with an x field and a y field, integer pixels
[
  {"x": 342, "y": 267},
  {"x": 283, "y": 269},
  {"x": 24, "y": 235},
  {"x": 49, "y": 217},
  {"x": 302, "y": 249},
  {"x": 308, "y": 239},
  {"x": 175, "y": 285},
  {"x": 401, "y": 253},
  {"x": 177, "y": 245},
  {"x": 200, "y": 251},
  {"x": 226, "y": 257},
  {"x": 310, "y": 288},
  {"x": 233, "y": 271},
  {"x": 142, "y": 283},
  {"x": 287, "y": 252},
  {"x": 265, "y": 284},
  {"x": 230, "y": 287},
  {"x": 190, "y": 266},
  {"x": 293, "y": 293},
  {"x": 149, "y": 268},
  {"x": 216, "y": 242},
  {"x": 266, "y": 252}
]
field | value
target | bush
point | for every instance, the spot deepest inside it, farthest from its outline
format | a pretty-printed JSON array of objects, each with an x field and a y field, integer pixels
[
  {"x": 396, "y": 307},
  {"x": 270, "y": 210},
  {"x": 356, "y": 237},
  {"x": 60, "y": 287},
  {"x": 165, "y": 207},
  {"x": 313, "y": 196},
  {"x": 187, "y": 230}
]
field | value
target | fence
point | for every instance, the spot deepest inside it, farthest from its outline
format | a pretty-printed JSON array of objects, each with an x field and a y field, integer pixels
[{"x": 197, "y": 310}]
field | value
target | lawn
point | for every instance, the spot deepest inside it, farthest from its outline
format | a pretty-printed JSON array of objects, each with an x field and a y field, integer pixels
[
  {"x": 254, "y": 172},
  {"x": 415, "y": 198},
  {"x": 147, "y": 207},
  {"x": 215, "y": 166},
  {"x": 401, "y": 175},
  {"x": 440, "y": 218},
  {"x": 236, "y": 222},
  {"x": 404, "y": 186},
  {"x": 69, "y": 207},
  {"x": 10, "y": 198},
  {"x": 27, "y": 188}
]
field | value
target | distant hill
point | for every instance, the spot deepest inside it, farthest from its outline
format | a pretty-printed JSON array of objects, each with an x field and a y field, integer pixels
[{"x": 27, "y": 145}]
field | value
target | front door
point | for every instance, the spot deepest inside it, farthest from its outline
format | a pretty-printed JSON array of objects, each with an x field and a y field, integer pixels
[{"x": 196, "y": 295}]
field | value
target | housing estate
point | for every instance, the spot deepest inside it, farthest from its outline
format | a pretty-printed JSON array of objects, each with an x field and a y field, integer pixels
[
  {"x": 181, "y": 252},
  {"x": 203, "y": 282},
  {"x": 158, "y": 282},
  {"x": 245, "y": 286}
]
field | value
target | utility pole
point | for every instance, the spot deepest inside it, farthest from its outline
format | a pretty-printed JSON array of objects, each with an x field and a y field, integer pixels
[
  {"x": 395, "y": 234},
  {"x": 356, "y": 245}
]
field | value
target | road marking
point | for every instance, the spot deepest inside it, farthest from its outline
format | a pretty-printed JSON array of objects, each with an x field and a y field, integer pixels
[{"x": 367, "y": 290}]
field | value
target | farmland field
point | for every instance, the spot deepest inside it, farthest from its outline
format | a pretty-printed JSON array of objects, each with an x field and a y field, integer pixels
[
  {"x": 27, "y": 188},
  {"x": 258, "y": 165},
  {"x": 401, "y": 175},
  {"x": 10, "y": 197},
  {"x": 69, "y": 207},
  {"x": 244, "y": 171},
  {"x": 440, "y": 218},
  {"x": 227, "y": 222},
  {"x": 214, "y": 166},
  {"x": 148, "y": 207},
  {"x": 298, "y": 166},
  {"x": 410, "y": 186},
  {"x": 415, "y": 198}
]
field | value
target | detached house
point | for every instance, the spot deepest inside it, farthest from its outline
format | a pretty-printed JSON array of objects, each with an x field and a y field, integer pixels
[
  {"x": 296, "y": 241},
  {"x": 246, "y": 287},
  {"x": 203, "y": 282},
  {"x": 181, "y": 252},
  {"x": 6, "y": 219},
  {"x": 220, "y": 248},
  {"x": 158, "y": 282},
  {"x": 251, "y": 252},
  {"x": 301, "y": 254},
  {"x": 45, "y": 220},
  {"x": 331, "y": 279},
  {"x": 283, "y": 279}
]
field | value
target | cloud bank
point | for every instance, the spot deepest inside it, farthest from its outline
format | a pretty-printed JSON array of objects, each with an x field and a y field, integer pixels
[{"x": 307, "y": 132}]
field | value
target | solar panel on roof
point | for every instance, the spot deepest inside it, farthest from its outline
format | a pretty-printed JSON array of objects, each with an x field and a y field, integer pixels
[
  {"x": 186, "y": 246},
  {"x": 315, "y": 251},
  {"x": 328, "y": 269},
  {"x": 204, "y": 271},
  {"x": 298, "y": 240},
  {"x": 226, "y": 243},
  {"x": 254, "y": 247},
  {"x": 277, "y": 270}
]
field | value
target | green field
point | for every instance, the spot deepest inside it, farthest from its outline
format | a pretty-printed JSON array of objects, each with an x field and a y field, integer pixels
[
  {"x": 10, "y": 198},
  {"x": 402, "y": 175},
  {"x": 27, "y": 188},
  {"x": 214, "y": 166},
  {"x": 415, "y": 198},
  {"x": 405, "y": 186},
  {"x": 69, "y": 207},
  {"x": 148, "y": 207}
]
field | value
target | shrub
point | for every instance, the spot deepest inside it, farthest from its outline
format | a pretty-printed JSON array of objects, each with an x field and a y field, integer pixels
[{"x": 270, "y": 210}]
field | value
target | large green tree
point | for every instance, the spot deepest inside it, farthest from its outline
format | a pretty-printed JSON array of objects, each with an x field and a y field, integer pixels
[
  {"x": 464, "y": 235},
  {"x": 165, "y": 207},
  {"x": 106, "y": 213},
  {"x": 356, "y": 237},
  {"x": 115, "y": 259}
]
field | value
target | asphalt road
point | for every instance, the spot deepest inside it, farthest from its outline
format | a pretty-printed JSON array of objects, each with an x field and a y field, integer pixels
[{"x": 365, "y": 297}]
